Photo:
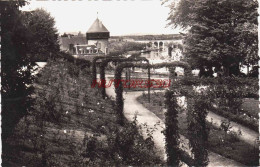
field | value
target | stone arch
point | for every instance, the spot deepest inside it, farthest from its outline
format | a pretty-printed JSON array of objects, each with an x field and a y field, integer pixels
[
  {"x": 161, "y": 45},
  {"x": 155, "y": 44}
]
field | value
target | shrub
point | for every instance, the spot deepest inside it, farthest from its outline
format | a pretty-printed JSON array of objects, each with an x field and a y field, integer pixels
[
  {"x": 73, "y": 70},
  {"x": 132, "y": 148},
  {"x": 233, "y": 137}
]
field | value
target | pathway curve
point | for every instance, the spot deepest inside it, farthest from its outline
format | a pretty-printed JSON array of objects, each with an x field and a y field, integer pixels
[
  {"x": 247, "y": 135},
  {"x": 144, "y": 116}
]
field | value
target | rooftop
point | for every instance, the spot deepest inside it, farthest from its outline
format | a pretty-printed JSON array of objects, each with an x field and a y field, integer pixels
[{"x": 97, "y": 26}]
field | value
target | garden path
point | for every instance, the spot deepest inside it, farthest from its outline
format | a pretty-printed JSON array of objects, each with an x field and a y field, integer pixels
[
  {"x": 247, "y": 135},
  {"x": 144, "y": 116}
]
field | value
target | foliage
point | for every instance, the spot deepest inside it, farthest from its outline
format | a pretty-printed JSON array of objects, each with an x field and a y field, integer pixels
[
  {"x": 94, "y": 64},
  {"x": 239, "y": 116},
  {"x": 254, "y": 72},
  {"x": 120, "y": 48},
  {"x": 228, "y": 93},
  {"x": 119, "y": 87},
  {"x": 149, "y": 37},
  {"x": 197, "y": 128},
  {"x": 73, "y": 70},
  {"x": 75, "y": 131},
  {"x": 78, "y": 62},
  {"x": 117, "y": 60},
  {"x": 171, "y": 130},
  {"x": 232, "y": 87},
  {"x": 16, "y": 67},
  {"x": 225, "y": 126},
  {"x": 43, "y": 37},
  {"x": 220, "y": 33},
  {"x": 230, "y": 146},
  {"x": 132, "y": 149}
]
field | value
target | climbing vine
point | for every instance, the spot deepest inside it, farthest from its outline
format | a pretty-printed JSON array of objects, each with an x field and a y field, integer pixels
[
  {"x": 198, "y": 131},
  {"x": 201, "y": 94},
  {"x": 94, "y": 69},
  {"x": 119, "y": 87},
  {"x": 227, "y": 94},
  {"x": 105, "y": 62},
  {"x": 94, "y": 64},
  {"x": 172, "y": 131}
]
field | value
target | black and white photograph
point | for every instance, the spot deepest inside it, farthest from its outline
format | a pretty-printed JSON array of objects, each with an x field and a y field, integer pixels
[{"x": 129, "y": 83}]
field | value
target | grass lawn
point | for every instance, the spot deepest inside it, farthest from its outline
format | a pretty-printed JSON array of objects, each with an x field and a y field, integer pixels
[
  {"x": 71, "y": 125},
  {"x": 227, "y": 145}
]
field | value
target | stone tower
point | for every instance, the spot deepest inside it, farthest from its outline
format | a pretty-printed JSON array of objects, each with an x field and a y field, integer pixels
[{"x": 98, "y": 35}]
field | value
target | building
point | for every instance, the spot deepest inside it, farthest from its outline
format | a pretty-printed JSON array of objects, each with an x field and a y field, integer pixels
[
  {"x": 94, "y": 43},
  {"x": 98, "y": 35}
]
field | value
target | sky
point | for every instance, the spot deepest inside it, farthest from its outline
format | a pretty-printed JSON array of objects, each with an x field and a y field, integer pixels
[{"x": 120, "y": 17}]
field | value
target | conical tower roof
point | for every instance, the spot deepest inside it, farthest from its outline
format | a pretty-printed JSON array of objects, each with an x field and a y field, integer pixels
[{"x": 97, "y": 26}]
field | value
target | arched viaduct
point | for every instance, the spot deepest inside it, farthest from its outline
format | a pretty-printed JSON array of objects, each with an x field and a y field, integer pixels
[{"x": 161, "y": 44}]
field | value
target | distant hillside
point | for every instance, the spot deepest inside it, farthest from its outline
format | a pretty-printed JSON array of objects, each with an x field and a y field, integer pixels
[{"x": 150, "y": 37}]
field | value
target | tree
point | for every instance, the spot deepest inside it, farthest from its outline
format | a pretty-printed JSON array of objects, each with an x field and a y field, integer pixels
[
  {"x": 221, "y": 33},
  {"x": 43, "y": 34},
  {"x": 64, "y": 35},
  {"x": 16, "y": 68}
]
